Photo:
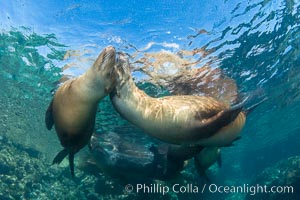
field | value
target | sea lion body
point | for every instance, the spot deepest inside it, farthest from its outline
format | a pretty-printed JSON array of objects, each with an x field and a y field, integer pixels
[
  {"x": 185, "y": 119},
  {"x": 73, "y": 108}
]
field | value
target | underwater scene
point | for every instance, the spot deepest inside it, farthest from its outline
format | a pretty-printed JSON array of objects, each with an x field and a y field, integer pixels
[{"x": 150, "y": 99}]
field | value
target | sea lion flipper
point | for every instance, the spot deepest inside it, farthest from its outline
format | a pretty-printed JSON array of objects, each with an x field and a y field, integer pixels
[
  {"x": 207, "y": 179},
  {"x": 90, "y": 146},
  {"x": 228, "y": 145},
  {"x": 219, "y": 160},
  {"x": 60, "y": 156},
  {"x": 49, "y": 116},
  {"x": 201, "y": 170},
  {"x": 232, "y": 143},
  {"x": 71, "y": 163},
  {"x": 219, "y": 120},
  {"x": 252, "y": 107},
  {"x": 160, "y": 159},
  {"x": 237, "y": 138}
]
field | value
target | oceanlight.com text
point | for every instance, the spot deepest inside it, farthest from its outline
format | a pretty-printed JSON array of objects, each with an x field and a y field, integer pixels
[{"x": 250, "y": 189}]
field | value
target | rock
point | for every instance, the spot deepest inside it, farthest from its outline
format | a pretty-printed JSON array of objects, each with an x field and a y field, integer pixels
[
  {"x": 285, "y": 176},
  {"x": 26, "y": 176}
]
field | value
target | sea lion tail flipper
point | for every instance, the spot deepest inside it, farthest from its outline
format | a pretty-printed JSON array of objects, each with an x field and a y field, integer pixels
[
  {"x": 232, "y": 143},
  {"x": 60, "y": 156},
  {"x": 230, "y": 114},
  {"x": 71, "y": 163},
  {"x": 257, "y": 95},
  {"x": 252, "y": 107},
  {"x": 228, "y": 145},
  {"x": 237, "y": 138},
  {"x": 49, "y": 116}
]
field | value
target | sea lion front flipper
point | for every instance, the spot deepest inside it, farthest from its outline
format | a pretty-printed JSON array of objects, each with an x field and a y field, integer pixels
[
  {"x": 90, "y": 146},
  {"x": 71, "y": 163},
  {"x": 60, "y": 156},
  {"x": 207, "y": 179},
  {"x": 219, "y": 160},
  {"x": 200, "y": 170},
  {"x": 160, "y": 159},
  {"x": 49, "y": 116}
]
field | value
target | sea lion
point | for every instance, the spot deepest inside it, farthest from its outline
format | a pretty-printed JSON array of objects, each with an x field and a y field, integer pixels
[
  {"x": 179, "y": 119},
  {"x": 116, "y": 155},
  {"x": 73, "y": 108}
]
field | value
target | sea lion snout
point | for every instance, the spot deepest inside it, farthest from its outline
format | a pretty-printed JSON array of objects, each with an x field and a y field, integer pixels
[
  {"x": 122, "y": 68},
  {"x": 96, "y": 147},
  {"x": 104, "y": 69},
  {"x": 106, "y": 59},
  {"x": 123, "y": 63}
]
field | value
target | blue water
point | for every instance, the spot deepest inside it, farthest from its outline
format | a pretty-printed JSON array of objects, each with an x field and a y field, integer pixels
[{"x": 256, "y": 43}]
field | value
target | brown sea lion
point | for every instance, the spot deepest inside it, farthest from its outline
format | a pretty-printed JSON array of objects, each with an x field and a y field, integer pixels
[
  {"x": 73, "y": 108},
  {"x": 180, "y": 119}
]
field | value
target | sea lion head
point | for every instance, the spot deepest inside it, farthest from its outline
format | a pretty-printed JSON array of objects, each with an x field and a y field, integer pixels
[
  {"x": 122, "y": 70},
  {"x": 103, "y": 67}
]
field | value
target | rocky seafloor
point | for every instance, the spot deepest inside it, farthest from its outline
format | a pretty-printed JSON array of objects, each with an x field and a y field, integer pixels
[
  {"x": 285, "y": 175},
  {"x": 26, "y": 174}
]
